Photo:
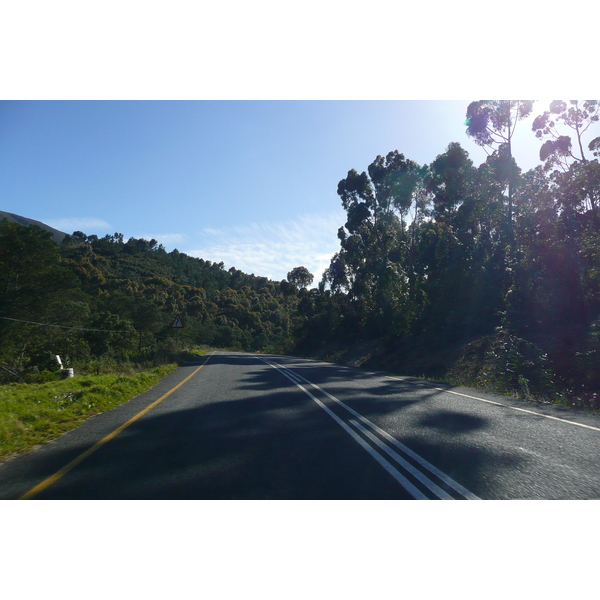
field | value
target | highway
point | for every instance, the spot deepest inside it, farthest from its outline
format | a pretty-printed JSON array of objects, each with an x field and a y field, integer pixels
[{"x": 250, "y": 426}]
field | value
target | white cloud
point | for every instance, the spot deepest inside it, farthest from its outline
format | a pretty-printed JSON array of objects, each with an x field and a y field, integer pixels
[
  {"x": 166, "y": 239},
  {"x": 273, "y": 249},
  {"x": 85, "y": 224}
]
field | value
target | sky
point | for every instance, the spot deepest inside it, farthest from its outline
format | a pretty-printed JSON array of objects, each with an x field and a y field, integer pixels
[{"x": 251, "y": 183}]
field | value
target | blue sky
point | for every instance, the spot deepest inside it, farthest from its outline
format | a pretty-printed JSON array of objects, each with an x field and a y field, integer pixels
[{"x": 249, "y": 183}]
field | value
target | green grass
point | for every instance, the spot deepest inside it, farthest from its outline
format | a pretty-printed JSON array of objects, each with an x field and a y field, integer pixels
[
  {"x": 195, "y": 352},
  {"x": 35, "y": 413}
]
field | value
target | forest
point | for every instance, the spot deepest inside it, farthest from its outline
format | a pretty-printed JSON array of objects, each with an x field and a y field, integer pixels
[{"x": 499, "y": 265}]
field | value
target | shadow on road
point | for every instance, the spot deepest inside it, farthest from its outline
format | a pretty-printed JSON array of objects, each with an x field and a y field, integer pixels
[
  {"x": 271, "y": 442},
  {"x": 453, "y": 422},
  {"x": 276, "y": 447}
]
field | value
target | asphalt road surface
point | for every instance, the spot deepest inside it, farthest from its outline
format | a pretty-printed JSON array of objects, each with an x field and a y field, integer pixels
[{"x": 244, "y": 426}]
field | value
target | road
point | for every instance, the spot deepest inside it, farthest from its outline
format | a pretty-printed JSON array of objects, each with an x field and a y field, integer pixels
[{"x": 244, "y": 426}]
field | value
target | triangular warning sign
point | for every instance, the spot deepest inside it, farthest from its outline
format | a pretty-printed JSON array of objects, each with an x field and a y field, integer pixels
[{"x": 177, "y": 322}]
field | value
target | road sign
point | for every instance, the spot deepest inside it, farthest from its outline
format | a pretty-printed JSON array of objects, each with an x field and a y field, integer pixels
[{"x": 177, "y": 322}]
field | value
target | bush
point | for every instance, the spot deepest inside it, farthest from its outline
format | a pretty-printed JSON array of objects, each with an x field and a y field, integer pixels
[
  {"x": 40, "y": 377},
  {"x": 504, "y": 363}
]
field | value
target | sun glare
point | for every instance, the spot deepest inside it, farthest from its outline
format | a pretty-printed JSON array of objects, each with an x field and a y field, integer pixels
[{"x": 540, "y": 106}]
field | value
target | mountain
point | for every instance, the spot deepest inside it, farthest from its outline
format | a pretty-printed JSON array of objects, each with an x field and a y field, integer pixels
[{"x": 57, "y": 236}]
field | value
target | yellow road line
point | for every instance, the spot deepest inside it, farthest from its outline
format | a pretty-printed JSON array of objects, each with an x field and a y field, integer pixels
[
  {"x": 531, "y": 412},
  {"x": 34, "y": 491}
]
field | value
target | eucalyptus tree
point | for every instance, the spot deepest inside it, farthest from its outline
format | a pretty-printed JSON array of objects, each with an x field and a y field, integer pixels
[
  {"x": 576, "y": 175},
  {"x": 460, "y": 267},
  {"x": 449, "y": 180},
  {"x": 375, "y": 241},
  {"x": 491, "y": 124},
  {"x": 578, "y": 116}
]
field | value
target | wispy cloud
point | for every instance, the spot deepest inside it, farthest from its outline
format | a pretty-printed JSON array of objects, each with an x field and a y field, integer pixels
[
  {"x": 273, "y": 249},
  {"x": 85, "y": 224},
  {"x": 167, "y": 239}
]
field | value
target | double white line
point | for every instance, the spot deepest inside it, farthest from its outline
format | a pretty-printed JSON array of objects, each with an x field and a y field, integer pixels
[{"x": 420, "y": 484}]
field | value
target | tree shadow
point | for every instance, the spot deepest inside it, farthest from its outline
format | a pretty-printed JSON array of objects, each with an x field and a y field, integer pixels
[
  {"x": 279, "y": 446},
  {"x": 453, "y": 422},
  {"x": 274, "y": 443},
  {"x": 384, "y": 396}
]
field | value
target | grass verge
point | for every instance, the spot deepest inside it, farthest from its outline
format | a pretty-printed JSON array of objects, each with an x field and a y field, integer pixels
[{"x": 32, "y": 414}]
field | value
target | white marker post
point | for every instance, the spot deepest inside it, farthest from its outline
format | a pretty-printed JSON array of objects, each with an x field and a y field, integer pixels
[{"x": 68, "y": 372}]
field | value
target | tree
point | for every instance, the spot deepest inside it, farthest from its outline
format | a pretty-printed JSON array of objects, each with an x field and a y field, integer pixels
[
  {"x": 375, "y": 241},
  {"x": 578, "y": 193},
  {"x": 300, "y": 277},
  {"x": 34, "y": 286},
  {"x": 577, "y": 116},
  {"x": 576, "y": 178},
  {"x": 32, "y": 279},
  {"x": 449, "y": 181},
  {"x": 491, "y": 124}
]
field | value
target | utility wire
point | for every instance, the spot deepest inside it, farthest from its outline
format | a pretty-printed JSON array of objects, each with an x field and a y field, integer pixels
[{"x": 75, "y": 328}]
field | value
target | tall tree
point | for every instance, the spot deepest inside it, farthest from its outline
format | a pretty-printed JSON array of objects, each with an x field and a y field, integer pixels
[
  {"x": 372, "y": 260},
  {"x": 558, "y": 149},
  {"x": 491, "y": 124},
  {"x": 576, "y": 176}
]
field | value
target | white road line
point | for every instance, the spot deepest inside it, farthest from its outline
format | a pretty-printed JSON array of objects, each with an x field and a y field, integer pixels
[
  {"x": 439, "y": 492},
  {"x": 405, "y": 483},
  {"x": 292, "y": 375},
  {"x": 531, "y": 412},
  {"x": 435, "y": 471},
  {"x": 414, "y": 491}
]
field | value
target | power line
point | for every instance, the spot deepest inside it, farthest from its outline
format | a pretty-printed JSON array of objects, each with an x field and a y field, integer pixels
[{"x": 75, "y": 328}]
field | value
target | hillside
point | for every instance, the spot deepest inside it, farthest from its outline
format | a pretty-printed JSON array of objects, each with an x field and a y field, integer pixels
[
  {"x": 57, "y": 236},
  {"x": 111, "y": 299}
]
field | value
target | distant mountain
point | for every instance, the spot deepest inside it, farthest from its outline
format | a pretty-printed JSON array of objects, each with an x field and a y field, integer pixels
[{"x": 57, "y": 236}]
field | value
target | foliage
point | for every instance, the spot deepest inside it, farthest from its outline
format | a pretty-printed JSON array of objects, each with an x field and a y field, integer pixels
[
  {"x": 492, "y": 122},
  {"x": 299, "y": 277},
  {"x": 473, "y": 260},
  {"x": 115, "y": 300},
  {"x": 576, "y": 116}
]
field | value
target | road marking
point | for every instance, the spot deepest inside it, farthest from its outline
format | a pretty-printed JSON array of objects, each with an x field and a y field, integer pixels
[
  {"x": 34, "y": 491},
  {"x": 407, "y": 485},
  {"x": 531, "y": 412},
  {"x": 403, "y": 481},
  {"x": 435, "y": 471},
  {"x": 440, "y": 493}
]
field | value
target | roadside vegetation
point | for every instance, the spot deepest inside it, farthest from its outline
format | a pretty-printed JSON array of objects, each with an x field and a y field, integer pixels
[
  {"x": 493, "y": 364},
  {"x": 35, "y": 413},
  {"x": 484, "y": 275}
]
